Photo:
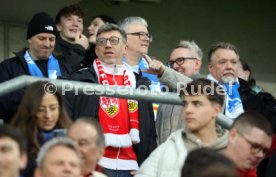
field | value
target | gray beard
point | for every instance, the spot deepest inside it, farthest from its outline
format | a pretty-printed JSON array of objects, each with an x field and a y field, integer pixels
[{"x": 228, "y": 79}]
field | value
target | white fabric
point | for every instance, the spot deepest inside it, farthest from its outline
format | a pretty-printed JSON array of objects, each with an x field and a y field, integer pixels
[
  {"x": 166, "y": 160},
  {"x": 116, "y": 69},
  {"x": 118, "y": 164},
  {"x": 134, "y": 135},
  {"x": 114, "y": 140}
]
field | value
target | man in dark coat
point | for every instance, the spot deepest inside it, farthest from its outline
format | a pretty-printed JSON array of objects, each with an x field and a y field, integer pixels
[
  {"x": 37, "y": 60},
  {"x": 109, "y": 69},
  {"x": 223, "y": 62}
]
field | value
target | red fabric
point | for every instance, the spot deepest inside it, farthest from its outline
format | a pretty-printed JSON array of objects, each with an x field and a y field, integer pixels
[
  {"x": 99, "y": 168},
  {"x": 121, "y": 123},
  {"x": 117, "y": 116},
  {"x": 113, "y": 114},
  {"x": 251, "y": 173}
]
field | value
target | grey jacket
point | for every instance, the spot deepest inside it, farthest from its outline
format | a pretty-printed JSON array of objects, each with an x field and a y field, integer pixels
[
  {"x": 170, "y": 117},
  {"x": 173, "y": 79},
  {"x": 192, "y": 142},
  {"x": 168, "y": 158}
]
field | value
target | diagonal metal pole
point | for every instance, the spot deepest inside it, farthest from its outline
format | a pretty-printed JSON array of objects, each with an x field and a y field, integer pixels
[
  {"x": 92, "y": 88},
  {"x": 65, "y": 86}
]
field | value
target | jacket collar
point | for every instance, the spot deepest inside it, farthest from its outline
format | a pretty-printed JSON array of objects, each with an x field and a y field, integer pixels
[{"x": 220, "y": 144}]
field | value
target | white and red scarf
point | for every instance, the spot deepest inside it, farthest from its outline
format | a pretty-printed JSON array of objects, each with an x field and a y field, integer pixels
[{"x": 112, "y": 117}]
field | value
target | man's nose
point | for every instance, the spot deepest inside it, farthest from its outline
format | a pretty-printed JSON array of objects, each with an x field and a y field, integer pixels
[
  {"x": 75, "y": 23},
  {"x": 187, "y": 108},
  {"x": 47, "y": 42},
  {"x": 229, "y": 65},
  {"x": 108, "y": 43},
  {"x": 67, "y": 167}
]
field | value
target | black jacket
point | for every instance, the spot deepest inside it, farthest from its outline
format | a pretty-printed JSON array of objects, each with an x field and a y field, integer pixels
[
  {"x": 87, "y": 106},
  {"x": 89, "y": 57},
  {"x": 72, "y": 54},
  {"x": 14, "y": 67},
  {"x": 261, "y": 102}
]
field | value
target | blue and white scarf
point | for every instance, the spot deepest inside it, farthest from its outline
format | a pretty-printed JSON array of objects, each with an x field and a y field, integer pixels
[
  {"x": 53, "y": 66},
  {"x": 234, "y": 105},
  {"x": 233, "y": 101}
]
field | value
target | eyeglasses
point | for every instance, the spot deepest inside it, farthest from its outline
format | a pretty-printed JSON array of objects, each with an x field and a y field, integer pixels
[
  {"x": 180, "y": 61},
  {"x": 103, "y": 41},
  {"x": 142, "y": 35},
  {"x": 255, "y": 147}
]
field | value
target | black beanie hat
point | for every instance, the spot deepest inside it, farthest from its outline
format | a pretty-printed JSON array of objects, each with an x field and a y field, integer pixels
[{"x": 41, "y": 23}]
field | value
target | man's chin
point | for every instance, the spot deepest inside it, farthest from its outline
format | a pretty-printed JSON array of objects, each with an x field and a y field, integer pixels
[
  {"x": 110, "y": 60},
  {"x": 44, "y": 57},
  {"x": 143, "y": 52},
  {"x": 69, "y": 36},
  {"x": 248, "y": 169},
  {"x": 228, "y": 79}
]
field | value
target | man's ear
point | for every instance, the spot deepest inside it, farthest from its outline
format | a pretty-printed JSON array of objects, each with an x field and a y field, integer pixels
[
  {"x": 232, "y": 135},
  {"x": 210, "y": 67},
  {"x": 96, "y": 50},
  {"x": 217, "y": 109},
  {"x": 247, "y": 73},
  {"x": 58, "y": 27},
  {"x": 198, "y": 64},
  {"x": 125, "y": 49},
  {"x": 23, "y": 160}
]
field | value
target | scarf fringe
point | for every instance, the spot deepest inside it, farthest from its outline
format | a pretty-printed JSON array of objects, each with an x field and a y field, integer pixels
[
  {"x": 115, "y": 140},
  {"x": 134, "y": 135}
]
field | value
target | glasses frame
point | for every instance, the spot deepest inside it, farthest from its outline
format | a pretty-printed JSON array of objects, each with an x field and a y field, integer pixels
[
  {"x": 254, "y": 147},
  {"x": 108, "y": 39},
  {"x": 142, "y": 35},
  {"x": 179, "y": 61}
]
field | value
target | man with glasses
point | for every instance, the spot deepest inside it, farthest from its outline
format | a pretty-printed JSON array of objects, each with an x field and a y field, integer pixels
[
  {"x": 128, "y": 125},
  {"x": 249, "y": 140},
  {"x": 138, "y": 41},
  {"x": 185, "y": 59}
]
